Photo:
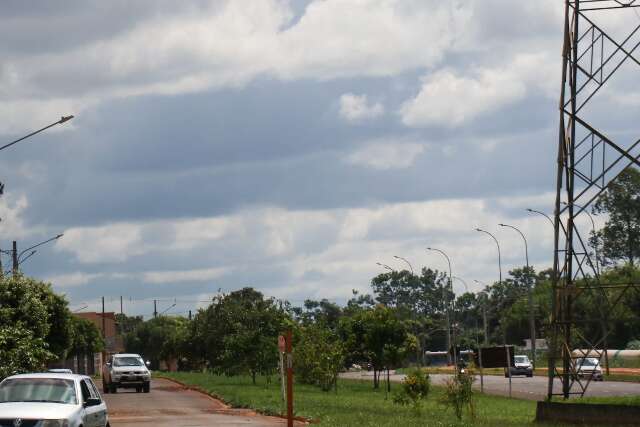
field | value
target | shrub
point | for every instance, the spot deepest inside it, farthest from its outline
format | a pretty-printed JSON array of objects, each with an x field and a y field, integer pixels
[
  {"x": 415, "y": 387},
  {"x": 459, "y": 394},
  {"x": 633, "y": 345}
]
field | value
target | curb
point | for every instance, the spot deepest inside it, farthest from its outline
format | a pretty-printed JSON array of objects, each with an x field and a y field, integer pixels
[{"x": 221, "y": 399}]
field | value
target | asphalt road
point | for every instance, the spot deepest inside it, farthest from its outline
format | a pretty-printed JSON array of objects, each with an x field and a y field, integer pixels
[
  {"x": 534, "y": 388},
  {"x": 169, "y": 404}
]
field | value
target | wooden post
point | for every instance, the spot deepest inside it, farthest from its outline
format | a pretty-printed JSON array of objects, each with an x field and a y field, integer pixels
[{"x": 289, "y": 379}]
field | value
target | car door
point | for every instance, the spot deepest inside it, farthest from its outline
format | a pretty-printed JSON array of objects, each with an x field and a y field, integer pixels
[
  {"x": 101, "y": 409},
  {"x": 91, "y": 416}
]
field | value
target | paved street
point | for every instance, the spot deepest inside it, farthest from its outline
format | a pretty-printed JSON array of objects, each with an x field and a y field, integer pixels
[
  {"x": 534, "y": 388},
  {"x": 169, "y": 404}
]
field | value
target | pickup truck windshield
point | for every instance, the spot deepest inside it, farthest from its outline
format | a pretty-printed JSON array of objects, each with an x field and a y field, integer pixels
[
  {"x": 127, "y": 361},
  {"x": 54, "y": 390}
]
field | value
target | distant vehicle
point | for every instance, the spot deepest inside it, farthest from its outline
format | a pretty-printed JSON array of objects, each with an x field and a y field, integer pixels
[
  {"x": 60, "y": 371},
  {"x": 522, "y": 366},
  {"x": 50, "y": 399},
  {"x": 589, "y": 367},
  {"x": 125, "y": 371}
]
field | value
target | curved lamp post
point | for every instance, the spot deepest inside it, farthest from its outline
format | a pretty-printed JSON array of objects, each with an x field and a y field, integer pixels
[
  {"x": 448, "y": 309},
  {"x": 532, "y": 325},
  {"x": 543, "y": 214},
  {"x": 405, "y": 260},
  {"x": 499, "y": 255}
]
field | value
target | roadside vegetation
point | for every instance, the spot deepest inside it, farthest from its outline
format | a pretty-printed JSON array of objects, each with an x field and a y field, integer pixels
[{"x": 356, "y": 404}]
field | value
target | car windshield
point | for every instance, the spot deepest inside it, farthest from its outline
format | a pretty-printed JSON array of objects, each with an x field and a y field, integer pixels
[
  {"x": 588, "y": 362},
  {"x": 521, "y": 359},
  {"x": 127, "y": 361},
  {"x": 56, "y": 390}
]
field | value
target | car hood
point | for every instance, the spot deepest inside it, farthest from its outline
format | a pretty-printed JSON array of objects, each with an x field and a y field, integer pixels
[
  {"x": 129, "y": 369},
  {"x": 37, "y": 410}
]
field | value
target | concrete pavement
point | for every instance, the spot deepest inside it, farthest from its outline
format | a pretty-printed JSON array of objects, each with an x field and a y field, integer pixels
[
  {"x": 534, "y": 388},
  {"x": 169, "y": 404}
]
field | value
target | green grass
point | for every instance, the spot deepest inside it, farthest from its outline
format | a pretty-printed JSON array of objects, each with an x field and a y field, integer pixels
[{"x": 357, "y": 404}]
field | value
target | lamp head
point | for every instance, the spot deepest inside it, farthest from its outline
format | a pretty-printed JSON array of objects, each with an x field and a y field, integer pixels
[{"x": 65, "y": 119}]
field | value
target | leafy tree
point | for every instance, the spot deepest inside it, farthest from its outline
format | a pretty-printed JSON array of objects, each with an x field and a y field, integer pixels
[
  {"x": 160, "y": 338},
  {"x": 619, "y": 239},
  {"x": 239, "y": 333},
  {"x": 319, "y": 356},
  {"x": 24, "y": 316},
  {"x": 86, "y": 337}
]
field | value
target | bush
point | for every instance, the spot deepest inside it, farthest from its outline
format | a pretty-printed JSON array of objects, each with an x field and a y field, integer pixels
[
  {"x": 415, "y": 387},
  {"x": 633, "y": 345},
  {"x": 459, "y": 394}
]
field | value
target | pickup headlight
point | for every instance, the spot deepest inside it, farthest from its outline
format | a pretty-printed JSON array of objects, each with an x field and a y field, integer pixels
[{"x": 54, "y": 423}]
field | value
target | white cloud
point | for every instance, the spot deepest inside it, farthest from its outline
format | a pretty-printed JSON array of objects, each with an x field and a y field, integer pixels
[
  {"x": 177, "y": 276},
  {"x": 72, "y": 279},
  {"x": 449, "y": 100},
  {"x": 385, "y": 155},
  {"x": 104, "y": 244},
  {"x": 11, "y": 213},
  {"x": 354, "y": 108},
  {"x": 228, "y": 45}
]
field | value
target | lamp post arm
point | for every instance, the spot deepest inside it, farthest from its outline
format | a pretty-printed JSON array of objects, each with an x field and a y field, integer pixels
[
  {"x": 39, "y": 244},
  {"x": 62, "y": 120},
  {"x": 499, "y": 254}
]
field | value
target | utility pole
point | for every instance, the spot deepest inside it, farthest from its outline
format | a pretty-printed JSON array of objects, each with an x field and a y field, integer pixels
[
  {"x": 155, "y": 309},
  {"x": 103, "y": 322},
  {"x": 121, "y": 311},
  {"x": 484, "y": 321},
  {"x": 189, "y": 314},
  {"x": 14, "y": 255}
]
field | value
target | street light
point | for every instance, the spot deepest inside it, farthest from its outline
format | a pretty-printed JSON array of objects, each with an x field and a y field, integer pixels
[
  {"x": 59, "y": 122},
  {"x": 385, "y": 266},
  {"x": 532, "y": 325},
  {"x": 405, "y": 260},
  {"x": 466, "y": 287},
  {"x": 455, "y": 357},
  {"x": 17, "y": 257},
  {"x": 543, "y": 214},
  {"x": 498, "y": 245}
]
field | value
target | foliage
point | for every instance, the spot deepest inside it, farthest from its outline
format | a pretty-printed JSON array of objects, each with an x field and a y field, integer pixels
[
  {"x": 21, "y": 351},
  {"x": 160, "y": 338},
  {"x": 620, "y": 236},
  {"x": 633, "y": 345},
  {"x": 458, "y": 394},
  {"x": 415, "y": 388},
  {"x": 318, "y": 356},
  {"x": 86, "y": 337},
  {"x": 238, "y": 333},
  {"x": 36, "y": 324}
]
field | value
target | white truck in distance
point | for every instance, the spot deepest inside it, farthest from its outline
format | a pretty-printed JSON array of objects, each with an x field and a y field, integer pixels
[{"x": 125, "y": 371}]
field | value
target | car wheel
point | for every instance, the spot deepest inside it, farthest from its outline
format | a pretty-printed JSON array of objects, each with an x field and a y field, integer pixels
[
  {"x": 529, "y": 375},
  {"x": 146, "y": 388},
  {"x": 113, "y": 389},
  {"x": 138, "y": 389}
]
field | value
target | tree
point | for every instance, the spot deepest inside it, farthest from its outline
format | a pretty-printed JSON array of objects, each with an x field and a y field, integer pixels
[
  {"x": 620, "y": 237},
  {"x": 319, "y": 356},
  {"x": 86, "y": 337},
  {"x": 25, "y": 327},
  {"x": 238, "y": 333},
  {"x": 159, "y": 339}
]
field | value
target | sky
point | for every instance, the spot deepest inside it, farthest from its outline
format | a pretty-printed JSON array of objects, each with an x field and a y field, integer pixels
[{"x": 284, "y": 145}]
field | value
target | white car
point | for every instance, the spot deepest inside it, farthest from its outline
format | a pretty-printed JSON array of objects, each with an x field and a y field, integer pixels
[
  {"x": 589, "y": 367},
  {"x": 51, "y": 400},
  {"x": 125, "y": 371},
  {"x": 522, "y": 366}
]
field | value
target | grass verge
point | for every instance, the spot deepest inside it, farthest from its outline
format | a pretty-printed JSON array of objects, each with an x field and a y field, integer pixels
[{"x": 357, "y": 404}]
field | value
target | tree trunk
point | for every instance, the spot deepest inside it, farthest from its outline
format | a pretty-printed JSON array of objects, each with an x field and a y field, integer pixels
[
  {"x": 253, "y": 377},
  {"x": 388, "y": 382}
]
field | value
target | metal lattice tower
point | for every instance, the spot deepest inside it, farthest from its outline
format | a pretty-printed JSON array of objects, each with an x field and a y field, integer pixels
[{"x": 588, "y": 161}]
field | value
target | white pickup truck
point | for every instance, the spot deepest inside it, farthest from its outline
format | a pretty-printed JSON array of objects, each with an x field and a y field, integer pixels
[{"x": 125, "y": 371}]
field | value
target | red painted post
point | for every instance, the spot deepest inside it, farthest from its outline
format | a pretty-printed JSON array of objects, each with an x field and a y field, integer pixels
[{"x": 289, "y": 379}]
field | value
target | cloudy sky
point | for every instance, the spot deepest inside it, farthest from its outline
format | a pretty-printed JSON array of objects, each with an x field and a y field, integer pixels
[{"x": 286, "y": 145}]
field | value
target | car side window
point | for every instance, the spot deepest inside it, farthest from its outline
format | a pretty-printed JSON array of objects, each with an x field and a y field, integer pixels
[
  {"x": 86, "y": 394},
  {"x": 93, "y": 389}
]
